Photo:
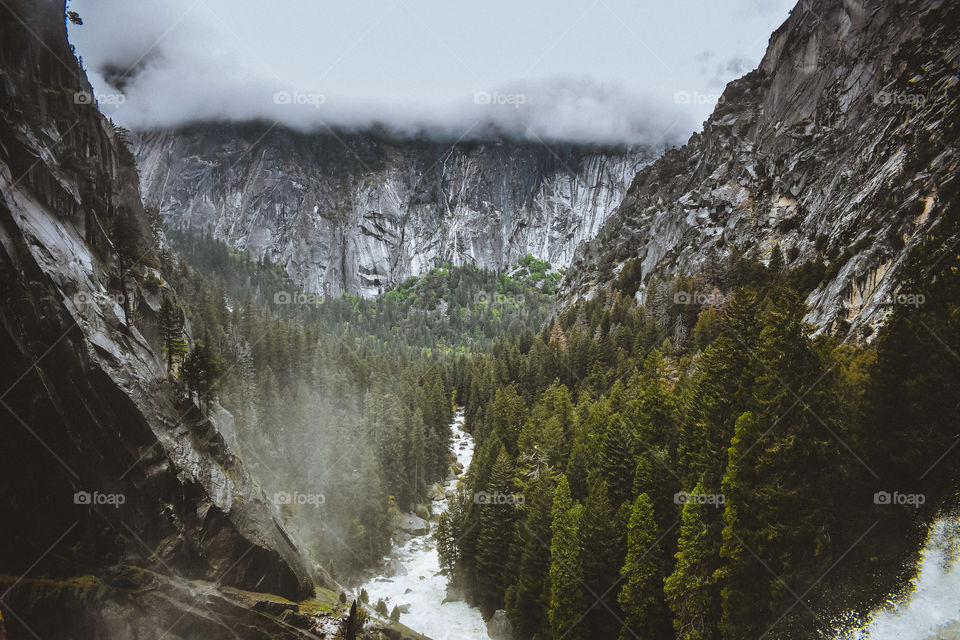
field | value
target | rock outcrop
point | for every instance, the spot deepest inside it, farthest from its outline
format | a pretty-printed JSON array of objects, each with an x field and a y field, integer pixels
[
  {"x": 359, "y": 212},
  {"x": 103, "y": 461},
  {"x": 842, "y": 142}
]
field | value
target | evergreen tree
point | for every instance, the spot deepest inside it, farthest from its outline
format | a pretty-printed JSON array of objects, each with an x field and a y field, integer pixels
[
  {"x": 201, "y": 371},
  {"x": 171, "y": 323},
  {"x": 126, "y": 241},
  {"x": 528, "y": 598},
  {"x": 691, "y": 590},
  {"x": 745, "y": 582},
  {"x": 567, "y": 600},
  {"x": 497, "y": 515},
  {"x": 642, "y": 594},
  {"x": 722, "y": 389},
  {"x": 601, "y": 559},
  {"x": 615, "y": 464}
]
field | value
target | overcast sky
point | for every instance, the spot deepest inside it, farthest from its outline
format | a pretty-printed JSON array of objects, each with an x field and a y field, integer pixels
[{"x": 605, "y": 71}]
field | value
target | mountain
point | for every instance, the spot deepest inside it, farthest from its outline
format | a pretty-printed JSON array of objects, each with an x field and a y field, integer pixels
[
  {"x": 360, "y": 212},
  {"x": 840, "y": 147},
  {"x": 125, "y": 507}
]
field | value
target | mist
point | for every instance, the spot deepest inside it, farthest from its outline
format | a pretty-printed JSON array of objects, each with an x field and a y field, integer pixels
[{"x": 612, "y": 72}]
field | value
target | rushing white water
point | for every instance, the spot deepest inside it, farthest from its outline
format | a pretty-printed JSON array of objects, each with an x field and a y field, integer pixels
[
  {"x": 418, "y": 582},
  {"x": 930, "y": 607}
]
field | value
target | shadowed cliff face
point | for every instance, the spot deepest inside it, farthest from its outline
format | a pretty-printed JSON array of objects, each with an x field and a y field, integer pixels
[
  {"x": 358, "y": 213},
  {"x": 103, "y": 462},
  {"x": 846, "y": 134}
]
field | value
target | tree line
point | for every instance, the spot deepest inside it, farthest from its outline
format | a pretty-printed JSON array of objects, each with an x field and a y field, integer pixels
[{"x": 704, "y": 465}]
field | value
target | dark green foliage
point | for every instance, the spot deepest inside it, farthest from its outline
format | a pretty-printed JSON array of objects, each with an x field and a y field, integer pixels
[
  {"x": 527, "y": 599},
  {"x": 172, "y": 339},
  {"x": 782, "y": 437},
  {"x": 201, "y": 372},
  {"x": 642, "y": 575},
  {"x": 691, "y": 589},
  {"x": 601, "y": 556},
  {"x": 496, "y": 515},
  {"x": 567, "y": 599},
  {"x": 602, "y": 419},
  {"x": 127, "y": 247}
]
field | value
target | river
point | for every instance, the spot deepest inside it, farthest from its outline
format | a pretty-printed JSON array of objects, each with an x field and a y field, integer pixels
[
  {"x": 929, "y": 608},
  {"x": 416, "y": 580}
]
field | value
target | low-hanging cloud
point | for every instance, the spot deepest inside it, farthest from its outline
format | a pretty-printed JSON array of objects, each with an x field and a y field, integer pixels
[{"x": 183, "y": 61}]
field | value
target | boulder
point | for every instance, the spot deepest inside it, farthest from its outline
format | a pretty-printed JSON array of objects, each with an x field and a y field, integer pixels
[
  {"x": 413, "y": 525},
  {"x": 499, "y": 627},
  {"x": 395, "y": 568}
]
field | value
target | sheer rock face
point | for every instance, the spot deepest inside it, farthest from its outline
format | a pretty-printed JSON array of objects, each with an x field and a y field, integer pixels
[
  {"x": 358, "y": 212},
  {"x": 847, "y": 132},
  {"x": 103, "y": 462}
]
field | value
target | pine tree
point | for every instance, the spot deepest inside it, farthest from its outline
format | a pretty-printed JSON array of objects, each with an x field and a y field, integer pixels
[
  {"x": 745, "y": 582},
  {"x": 528, "y": 598},
  {"x": 785, "y": 510},
  {"x": 446, "y": 543},
  {"x": 614, "y": 461},
  {"x": 691, "y": 591},
  {"x": 722, "y": 389},
  {"x": 602, "y": 559},
  {"x": 201, "y": 371},
  {"x": 508, "y": 414},
  {"x": 171, "y": 323},
  {"x": 495, "y": 524},
  {"x": 567, "y": 600},
  {"x": 126, "y": 242},
  {"x": 642, "y": 594}
]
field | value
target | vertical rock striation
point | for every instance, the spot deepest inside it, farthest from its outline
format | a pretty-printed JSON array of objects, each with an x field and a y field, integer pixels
[
  {"x": 844, "y": 137},
  {"x": 86, "y": 409},
  {"x": 359, "y": 212}
]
